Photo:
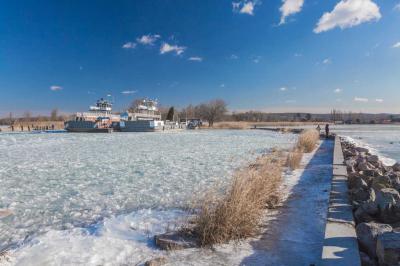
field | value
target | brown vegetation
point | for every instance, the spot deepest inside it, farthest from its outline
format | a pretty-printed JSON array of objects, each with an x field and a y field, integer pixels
[
  {"x": 308, "y": 140},
  {"x": 305, "y": 143},
  {"x": 293, "y": 159},
  {"x": 237, "y": 213}
]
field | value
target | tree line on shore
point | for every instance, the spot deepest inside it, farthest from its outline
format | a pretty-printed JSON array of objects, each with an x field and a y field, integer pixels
[{"x": 216, "y": 110}]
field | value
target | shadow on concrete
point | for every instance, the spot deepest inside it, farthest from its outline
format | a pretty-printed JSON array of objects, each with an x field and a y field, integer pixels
[{"x": 295, "y": 234}]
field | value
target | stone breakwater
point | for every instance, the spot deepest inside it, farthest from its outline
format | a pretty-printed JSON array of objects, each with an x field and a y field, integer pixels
[{"x": 374, "y": 192}]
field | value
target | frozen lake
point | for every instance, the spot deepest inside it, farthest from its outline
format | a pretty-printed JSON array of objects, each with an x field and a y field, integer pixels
[
  {"x": 98, "y": 198},
  {"x": 383, "y": 140}
]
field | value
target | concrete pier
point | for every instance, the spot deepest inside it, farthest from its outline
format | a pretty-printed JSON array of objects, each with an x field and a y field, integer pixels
[{"x": 340, "y": 243}]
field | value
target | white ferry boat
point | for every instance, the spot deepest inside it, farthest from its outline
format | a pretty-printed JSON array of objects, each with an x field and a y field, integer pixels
[
  {"x": 98, "y": 119},
  {"x": 145, "y": 118}
]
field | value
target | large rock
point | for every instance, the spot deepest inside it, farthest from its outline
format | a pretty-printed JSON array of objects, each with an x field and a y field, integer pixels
[
  {"x": 175, "y": 241},
  {"x": 364, "y": 166},
  {"x": 349, "y": 152},
  {"x": 363, "y": 150},
  {"x": 366, "y": 212},
  {"x": 394, "y": 180},
  {"x": 396, "y": 167},
  {"x": 367, "y": 234},
  {"x": 381, "y": 182},
  {"x": 388, "y": 249},
  {"x": 360, "y": 195},
  {"x": 356, "y": 181},
  {"x": 366, "y": 260},
  {"x": 373, "y": 159},
  {"x": 376, "y": 172},
  {"x": 388, "y": 202}
]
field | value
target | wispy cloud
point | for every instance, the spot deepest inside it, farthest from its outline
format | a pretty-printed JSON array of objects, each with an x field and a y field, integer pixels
[
  {"x": 360, "y": 99},
  {"x": 379, "y": 100},
  {"x": 234, "y": 57},
  {"x": 348, "y": 13},
  {"x": 283, "y": 89},
  {"x": 396, "y": 45},
  {"x": 56, "y": 88},
  {"x": 196, "y": 59},
  {"x": 256, "y": 59},
  {"x": 290, "y": 7},
  {"x": 167, "y": 48},
  {"x": 338, "y": 90},
  {"x": 222, "y": 85},
  {"x": 148, "y": 39},
  {"x": 129, "y": 45},
  {"x": 245, "y": 7},
  {"x": 327, "y": 61},
  {"x": 298, "y": 55},
  {"x": 397, "y": 7},
  {"x": 129, "y": 92}
]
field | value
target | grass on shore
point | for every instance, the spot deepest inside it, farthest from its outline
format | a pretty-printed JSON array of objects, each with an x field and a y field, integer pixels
[
  {"x": 237, "y": 213},
  {"x": 293, "y": 159},
  {"x": 305, "y": 143},
  {"x": 308, "y": 140}
]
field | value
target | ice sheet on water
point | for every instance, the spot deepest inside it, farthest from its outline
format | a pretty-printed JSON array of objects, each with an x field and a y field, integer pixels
[
  {"x": 54, "y": 182},
  {"x": 382, "y": 140}
]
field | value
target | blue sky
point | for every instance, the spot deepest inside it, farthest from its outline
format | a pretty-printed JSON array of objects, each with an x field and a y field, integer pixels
[{"x": 271, "y": 55}]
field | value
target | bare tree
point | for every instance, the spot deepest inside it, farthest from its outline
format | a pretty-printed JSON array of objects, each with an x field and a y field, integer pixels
[
  {"x": 27, "y": 116},
  {"x": 54, "y": 114},
  {"x": 212, "y": 111},
  {"x": 135, "y": 104}
]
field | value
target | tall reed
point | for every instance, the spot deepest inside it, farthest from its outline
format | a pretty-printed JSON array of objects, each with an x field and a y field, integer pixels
[
  {"x": 308, "y": 140},
  {"x": 237, "y": 213}
]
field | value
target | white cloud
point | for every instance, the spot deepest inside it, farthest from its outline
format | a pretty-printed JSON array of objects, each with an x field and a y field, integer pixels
[
  {"x": 55, "y": 88},
  {"x": 290, "y": 7},
  {"x": 234, "y": 57},
  {"x": 244, "y": 7},
  {"x": 359, "y": 99},
  {"x": 283, "y": 89},
  {"x": 396, "y": 45},
  {"x": 397, "y": 7},
  {"x": 379, "y": 100},
  {"x": 222, "y": 85},
  {"x": 257, "y": 59},
  {"x": 167, "y": 48},
  {"x": 195, "y": 58},
  {"x": 338, "y": 90},
  {"x": 129, "y": 45},
  {"x": 348, "y": 13},
  {"x": 128, "y": 92},
  {"x": 148, "y": 39},
  {"x": 298, "y": 55},
  {"x": 327, "y": 61}
]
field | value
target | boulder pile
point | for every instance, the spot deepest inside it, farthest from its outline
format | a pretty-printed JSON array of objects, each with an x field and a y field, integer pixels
[{"x": 374, "y": 191}]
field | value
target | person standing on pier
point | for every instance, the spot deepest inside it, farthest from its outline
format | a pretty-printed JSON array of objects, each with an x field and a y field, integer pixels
[{"x": 327, "y": 130}]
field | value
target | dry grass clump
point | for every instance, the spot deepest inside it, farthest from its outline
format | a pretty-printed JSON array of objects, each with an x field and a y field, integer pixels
[
  {"x": 232, "y": 125},
  {"x": 237, "y": 213},
  {"x": 293, "y": 159},
  {"x": 308, "y": 140}
]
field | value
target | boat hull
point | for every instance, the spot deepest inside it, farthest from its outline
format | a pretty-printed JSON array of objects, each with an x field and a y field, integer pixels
[
  {"x": 85, "y": 127},
  {"x": 140, "y": 126}
]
